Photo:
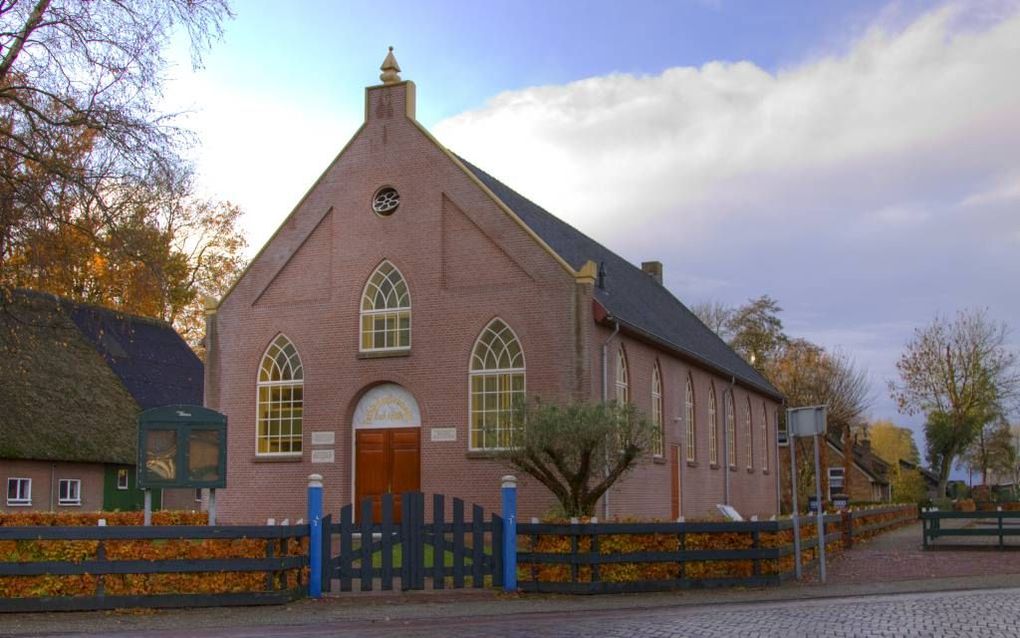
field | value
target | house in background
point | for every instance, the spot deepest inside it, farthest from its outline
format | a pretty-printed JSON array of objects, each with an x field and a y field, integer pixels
[
  {"x": 74, "y": 379},
  {"x": 382, "y": 335},
  {"x": 870, "y": 480}
]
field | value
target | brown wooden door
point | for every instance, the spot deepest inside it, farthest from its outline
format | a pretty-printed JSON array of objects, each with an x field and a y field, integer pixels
[
  {"x": 674, "y": 480},
  {"x": 386, "y": 460}
]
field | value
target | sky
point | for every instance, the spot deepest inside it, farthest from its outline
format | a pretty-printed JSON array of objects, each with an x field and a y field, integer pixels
[{"x": 857, "y": 161}]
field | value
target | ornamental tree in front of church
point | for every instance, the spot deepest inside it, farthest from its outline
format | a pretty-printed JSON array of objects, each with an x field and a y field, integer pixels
[{"x": 579, "y": 450}]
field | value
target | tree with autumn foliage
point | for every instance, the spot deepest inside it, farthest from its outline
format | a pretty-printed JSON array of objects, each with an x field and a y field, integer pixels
[
  {"x": 96, "y": 201},
  {"x": 962, "y": 376}
]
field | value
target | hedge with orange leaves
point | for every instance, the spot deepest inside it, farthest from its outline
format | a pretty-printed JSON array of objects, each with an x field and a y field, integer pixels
[
  {"x": 137, "y": 584},
  {"x": 628, "y": 543}
]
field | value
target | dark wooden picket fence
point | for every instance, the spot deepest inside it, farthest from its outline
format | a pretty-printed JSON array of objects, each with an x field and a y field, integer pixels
[
  {"x": 275, "y": 564},
  {"x": 581, "y": 553},
  {"x": 1001, "y": 524},
  {"x": 414, "y": 553}
]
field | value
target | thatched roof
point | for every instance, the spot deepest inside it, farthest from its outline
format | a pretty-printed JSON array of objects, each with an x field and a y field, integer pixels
[{"x": 67, "y": 372}]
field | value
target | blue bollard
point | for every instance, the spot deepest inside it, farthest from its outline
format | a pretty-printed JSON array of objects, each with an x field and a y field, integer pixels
[
  {"x": 509, "y": 492},
  {"x": 315, "y": 536}
]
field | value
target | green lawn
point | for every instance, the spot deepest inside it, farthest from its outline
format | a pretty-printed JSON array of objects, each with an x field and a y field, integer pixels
[{"x": 398, "y": 557}]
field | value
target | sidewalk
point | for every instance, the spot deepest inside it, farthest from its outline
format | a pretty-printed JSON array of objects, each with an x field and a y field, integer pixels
[{"x": 889, "y": 564}]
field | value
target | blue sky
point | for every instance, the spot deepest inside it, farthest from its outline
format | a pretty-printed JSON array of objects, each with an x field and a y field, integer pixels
[{"x": 855, "y": 160}]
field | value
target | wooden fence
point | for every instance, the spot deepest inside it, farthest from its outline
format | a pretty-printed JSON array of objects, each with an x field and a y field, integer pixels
[
  {"x": 283, "y": 567},
  {"x": 587, "y": 558},
  {"x": 931, "y": 525},
  {"x": 865, "y": 523}
]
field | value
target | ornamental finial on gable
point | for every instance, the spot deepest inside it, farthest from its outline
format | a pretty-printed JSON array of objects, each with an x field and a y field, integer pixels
[{"x": 390, "y": 69}]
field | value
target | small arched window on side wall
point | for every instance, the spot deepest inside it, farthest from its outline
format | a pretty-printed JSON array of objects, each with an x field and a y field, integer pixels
[
  {"x": 658, "y": 436},
  {"x": 764, "y": 438},
  {"x": 497, "y": 383},
  {"x": 385, "y": 311},
  {"x": 748, "y": 436},
  {"x": 280, "y": 400},
  {"x": 692, "y": 447},
  {"x": 731, "y": 431},
  {"x": 713, "y": 428},
  {"x": 622, "y": 378}
]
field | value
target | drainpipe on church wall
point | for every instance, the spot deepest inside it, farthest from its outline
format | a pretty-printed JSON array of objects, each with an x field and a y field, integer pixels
[{"x": 605, "y": 398}]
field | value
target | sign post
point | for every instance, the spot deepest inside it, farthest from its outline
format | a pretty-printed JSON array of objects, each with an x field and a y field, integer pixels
[{"x": 804, "y": 422}]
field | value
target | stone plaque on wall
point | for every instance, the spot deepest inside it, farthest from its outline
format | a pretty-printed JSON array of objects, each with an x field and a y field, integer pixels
[
  {"x": 323, "y": 456},
  {"x": 323, "y": 438},
  {"x": 443, "y": 434}
]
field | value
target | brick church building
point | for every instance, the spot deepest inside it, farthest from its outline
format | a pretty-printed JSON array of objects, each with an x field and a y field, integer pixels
[{"x": 381, "y": 335}]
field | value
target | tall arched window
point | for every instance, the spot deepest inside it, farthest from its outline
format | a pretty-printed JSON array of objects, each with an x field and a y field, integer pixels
[
  {"x": 689, "y": 421},
  {"x": 713, "y": 428},
  {"x": 657, "y": 419},
  {"x": 731, "y": 431},
  {"x": 280, "y": 399},
  {"x": 385, "y": 311},
  {"x": 497, "y": 379},
  {"x": 764, "y": 438},
  {"x": 622, "y": 378},
  {"x": 748, "y": 436}
]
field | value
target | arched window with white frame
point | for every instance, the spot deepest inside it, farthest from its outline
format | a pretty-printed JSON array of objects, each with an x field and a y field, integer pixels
[
  {"x": 497, "y": 383},
  {"x": 622, "y": 378},
  {"x": 658, "y": 437},
  {"x": 280, "y": 400},
  {"x": 385, "y": 311},
  {"x": 764, "y": 438},
  {"x": 713, "y": 428},
  {"x": 689, "y": 423},
  {"x": 731, "y": 431},
  {"x": 748, "y": 435}
]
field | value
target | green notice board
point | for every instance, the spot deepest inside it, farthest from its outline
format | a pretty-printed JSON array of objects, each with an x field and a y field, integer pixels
[{"x": 182, "y": 446}]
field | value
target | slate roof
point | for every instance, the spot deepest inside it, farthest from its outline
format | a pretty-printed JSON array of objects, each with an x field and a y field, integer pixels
[
  {"x": 629, "y": 294},
  {"x": 73, "y": 378},
  {"x": 872, "y": 464}
]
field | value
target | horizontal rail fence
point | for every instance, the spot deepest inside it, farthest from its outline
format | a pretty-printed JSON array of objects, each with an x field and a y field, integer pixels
[
  {"x": 1000, "y": 524},
  {"x": 444, "y": 554},
  {"x": 864, "y": 523},
  {"x": 284, "y": 570},
  {"x": 592, "y": 558}
]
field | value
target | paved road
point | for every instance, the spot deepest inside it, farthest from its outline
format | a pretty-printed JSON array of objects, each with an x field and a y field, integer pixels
[{"x": 974, "y": 614}]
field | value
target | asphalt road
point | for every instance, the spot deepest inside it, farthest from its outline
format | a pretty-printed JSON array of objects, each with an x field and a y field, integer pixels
[{"x": 974, "y": 614}]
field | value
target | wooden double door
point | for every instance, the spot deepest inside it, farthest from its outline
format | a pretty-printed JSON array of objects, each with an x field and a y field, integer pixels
[{"x": 386, "y": 460}]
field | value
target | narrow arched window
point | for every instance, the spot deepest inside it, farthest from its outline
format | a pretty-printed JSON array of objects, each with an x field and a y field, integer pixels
[
  {"x": 657, "y": 418},
  {"x": 713, "y": 428},
  {"x": 689, "y": 421},
  {"x": 764, "y": 438},
  {"x": 280, "y": 399},
  {"x": 731, "y": 431},
  {"x": 497, "y": 383},
  {"x": 622, "y": 378},
  {"x": 385, "y": 311},
  {"x": 748, "y": 436}
]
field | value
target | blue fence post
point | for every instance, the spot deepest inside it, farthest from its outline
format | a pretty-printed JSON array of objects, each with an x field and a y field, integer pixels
[
  {"x": 315, "y": 536},
  {"x": 509, "y": 533}
]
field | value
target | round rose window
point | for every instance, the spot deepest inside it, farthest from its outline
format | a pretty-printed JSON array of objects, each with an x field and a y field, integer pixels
[{"x": 386, "y": 201}]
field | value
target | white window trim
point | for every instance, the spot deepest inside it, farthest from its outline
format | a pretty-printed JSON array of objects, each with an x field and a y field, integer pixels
[
  {"x": 25, "y": 501},
  {"x": 68, "y": 501},
  {"x": 731, "y": 433},
  {"x": 269, "y": 384},
  {"x": 764, "y": 438},
  {"x": 622, "y": 380},
  {"x": 127, "y": 479},
  {"x": 841, "y": 473},
  {"x": 657, "y": 413},
  {"x": 691, "y": 434},
  {"x": 362, "y": 313},
  {"x": 523, "y": 370},
  {"x": 749, "y": 435},
  {"x": 713, "y": 428}
]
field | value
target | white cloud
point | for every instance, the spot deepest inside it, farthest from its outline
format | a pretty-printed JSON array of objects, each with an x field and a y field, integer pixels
[{"x": 865, "y": 190}]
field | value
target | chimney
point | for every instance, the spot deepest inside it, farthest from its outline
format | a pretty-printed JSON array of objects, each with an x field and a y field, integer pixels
[{"x": 654, "y": 269}]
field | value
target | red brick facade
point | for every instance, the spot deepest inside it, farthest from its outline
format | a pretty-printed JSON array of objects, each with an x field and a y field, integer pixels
[
  {"x": 466, "y": 260},
  {"x": 45, "y": 477}
]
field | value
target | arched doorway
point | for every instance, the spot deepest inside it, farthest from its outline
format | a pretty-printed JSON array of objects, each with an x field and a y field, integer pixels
[{"x": 387, "y": 447}]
